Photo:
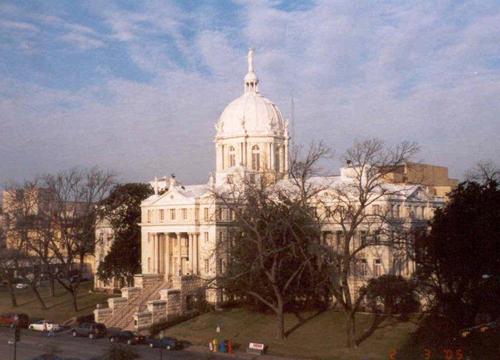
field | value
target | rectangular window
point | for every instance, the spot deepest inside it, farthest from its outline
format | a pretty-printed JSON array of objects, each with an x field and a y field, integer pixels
[
  {"x": 206, "y": 237},
  {"x": 363, "y": 267},
  {"x": 206, "y": 266},
  {"x": 205, "y": 214},
  {"x": 397, "y": 266},
  {"x": 363, "y": 237},
  {"x": 172, "y": 214},
  {"x": 221, "y": 236},
  {"x": 377, "y": 267},
  {"x": 149, "y": 216},
  {"x": 221, "y": 266},
  {"x": 398, "y": 211},
  {"x": 338, "y": 238},
  {"x": 184, "y": 214},
  {"x": 162, "y": 214}
]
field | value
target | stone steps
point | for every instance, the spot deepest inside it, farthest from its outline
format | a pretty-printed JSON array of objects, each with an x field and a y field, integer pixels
[
  {"x": 127, "y": 321},
  {"x": 123, "y": 317}
]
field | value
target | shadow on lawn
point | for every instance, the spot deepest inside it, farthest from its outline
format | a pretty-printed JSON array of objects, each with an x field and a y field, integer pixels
[
  {"x": 378, "y": 319},
  {"x": 302, "y": 321}
]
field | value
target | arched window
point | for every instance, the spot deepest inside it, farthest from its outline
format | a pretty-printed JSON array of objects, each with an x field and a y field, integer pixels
[
  {"x": 255, "y": 158},
  {"x": 232, "y": 156}
]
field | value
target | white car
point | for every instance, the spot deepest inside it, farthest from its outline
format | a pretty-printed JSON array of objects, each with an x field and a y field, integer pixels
[
  {"x": 44, "y": 325},
  {"x": 21, "y": 286}
]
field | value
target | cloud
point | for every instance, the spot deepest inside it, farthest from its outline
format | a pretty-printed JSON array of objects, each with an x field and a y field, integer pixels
[
  {"x": 17, "y": 25},
  {"x": 397, "y": 71},
  {"x": 81, "y": 41}
]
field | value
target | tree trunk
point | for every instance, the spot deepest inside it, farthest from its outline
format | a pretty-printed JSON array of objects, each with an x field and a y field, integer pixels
[
  {"x": 280, "y": 318},
  {"x": 13, "y": 299},
  {"x": 74, "y": 295},
  {"x": 38, "y": 296},
  {"x": 52, "y": 285},
  {"x": 350, "y": 330}
]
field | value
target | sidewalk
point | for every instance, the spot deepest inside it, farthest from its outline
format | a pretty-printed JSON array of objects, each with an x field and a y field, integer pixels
[{"x": 234, "y": 355}]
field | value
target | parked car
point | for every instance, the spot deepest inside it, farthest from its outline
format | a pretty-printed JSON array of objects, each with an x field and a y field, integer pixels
[
  {"x": 21, "y": 286},
  {"x": 44, "y": 325},
  {"x": 9, "y": 319},
  {"x": 127, "y": 337},
  {"x": 165, "y": 343},
  {"x": 91, "y": 330}
]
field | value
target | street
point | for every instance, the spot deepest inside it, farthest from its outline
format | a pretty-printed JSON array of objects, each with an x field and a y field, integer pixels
[{"x": 63, "y": 344}]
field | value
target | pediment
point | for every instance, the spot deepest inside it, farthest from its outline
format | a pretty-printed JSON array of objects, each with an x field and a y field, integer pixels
[
  {"x": 172, "y": 197},
  {"x": 420, "y": 194}
]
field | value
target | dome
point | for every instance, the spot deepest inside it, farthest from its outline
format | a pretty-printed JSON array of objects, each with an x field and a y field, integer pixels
[{"x": 251, "y": 113}]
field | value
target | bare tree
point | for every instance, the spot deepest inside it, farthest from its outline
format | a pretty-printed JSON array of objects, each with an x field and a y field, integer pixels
[
  {"x": 347, "y": 206},
  {"x": 9, "y": 268},
  {"x": 24, "y": 204},
  {"x": 72, "y": 211},
  {"x": 270, "y": 254},
  {"x": 484, "y": 172}
]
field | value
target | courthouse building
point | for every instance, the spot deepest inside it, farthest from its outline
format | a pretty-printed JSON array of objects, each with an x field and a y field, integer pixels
[{"x": 182, "y": 225}]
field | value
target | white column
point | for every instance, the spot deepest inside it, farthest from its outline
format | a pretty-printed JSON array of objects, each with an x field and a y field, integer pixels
[
  {"x": 154, "y": 254},
  {"x": 167, "y": 255},
  {"x": 158, "y": 253},
  {"x": 195, "y": 255},
  {"x": 286, "y": 157},
  {"x": 271, "y": 155},
  {"x": 179, "y": 265},
  {"x": 191, "y": 253}
]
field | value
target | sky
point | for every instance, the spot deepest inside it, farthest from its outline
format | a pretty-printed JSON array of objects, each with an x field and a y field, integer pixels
[{"x": 137, "y": 87}]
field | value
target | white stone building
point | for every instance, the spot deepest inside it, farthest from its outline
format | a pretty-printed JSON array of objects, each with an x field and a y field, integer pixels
[{"x": 182, "y": 224}]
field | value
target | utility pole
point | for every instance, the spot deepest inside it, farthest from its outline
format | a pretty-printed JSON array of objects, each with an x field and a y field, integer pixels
[{"x": 17, "y": 336}]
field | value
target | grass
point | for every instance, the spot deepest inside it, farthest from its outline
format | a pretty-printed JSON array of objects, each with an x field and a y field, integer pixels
[
  {"x": 320, "y": 337},
  {"x": 60, "y": 306}
]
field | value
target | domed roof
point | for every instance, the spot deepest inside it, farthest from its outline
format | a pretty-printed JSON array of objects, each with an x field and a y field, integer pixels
[{"x": 251, "y": 113}]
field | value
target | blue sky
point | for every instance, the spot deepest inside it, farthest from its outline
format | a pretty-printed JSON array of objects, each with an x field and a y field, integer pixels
[{"x": 137, "y": 87}]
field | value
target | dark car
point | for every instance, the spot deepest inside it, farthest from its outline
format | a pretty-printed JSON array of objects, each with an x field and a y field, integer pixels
[
  {"x": 164, "y": 343},
  {"x": 90, "y": 330},
  {"x": 127, "y": 337},
  {"x": 9, "y": 319}
]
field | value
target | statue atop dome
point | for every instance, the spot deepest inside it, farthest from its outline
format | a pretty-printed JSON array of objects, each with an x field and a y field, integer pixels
[
  {"x": 251, "y": 80},
  {"x": 250, "y": 60}
]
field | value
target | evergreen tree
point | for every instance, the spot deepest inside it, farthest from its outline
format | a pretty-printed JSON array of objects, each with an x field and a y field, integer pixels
[{"x": 122, "y": 209}]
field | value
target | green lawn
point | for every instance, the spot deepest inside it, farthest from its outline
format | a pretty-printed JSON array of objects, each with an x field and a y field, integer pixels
[
  {"x": 321, "y": 337},
  {"x": 60, "y": 307}
]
